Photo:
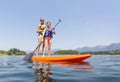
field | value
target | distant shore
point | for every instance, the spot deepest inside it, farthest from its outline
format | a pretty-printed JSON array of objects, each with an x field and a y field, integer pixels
[
  {"x": 7, "y": 55},
  {"x": 3, "y": 54},
  {"x": 12, "y": 51}
]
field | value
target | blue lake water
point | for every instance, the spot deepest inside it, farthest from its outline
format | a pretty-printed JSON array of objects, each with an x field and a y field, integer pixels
[{"x": 98, "y": 68}]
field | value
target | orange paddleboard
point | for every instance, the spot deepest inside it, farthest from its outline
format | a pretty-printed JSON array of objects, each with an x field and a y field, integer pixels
[{"x": 60, "y": 58}]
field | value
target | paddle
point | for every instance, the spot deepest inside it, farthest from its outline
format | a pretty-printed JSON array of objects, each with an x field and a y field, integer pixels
[
  {"x": 30, "y": 55},
  {"x": 57, "y": 23}
]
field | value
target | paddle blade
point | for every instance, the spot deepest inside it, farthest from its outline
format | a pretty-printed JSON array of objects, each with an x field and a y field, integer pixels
[{"x": 28, "y": 57}]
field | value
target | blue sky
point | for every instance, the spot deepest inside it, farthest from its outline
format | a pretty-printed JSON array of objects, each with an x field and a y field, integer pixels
[{"x": 84, "y": 22}]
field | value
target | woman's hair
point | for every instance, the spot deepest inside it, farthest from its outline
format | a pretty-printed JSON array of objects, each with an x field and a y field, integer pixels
[{"x": 48, "y": 23}]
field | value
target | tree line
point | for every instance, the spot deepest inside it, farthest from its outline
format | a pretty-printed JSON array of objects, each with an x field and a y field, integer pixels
[
  {"x": 112, "y": 52},
  {"x": 62, "y": 52},
  {"x": 13, "y": 51}
]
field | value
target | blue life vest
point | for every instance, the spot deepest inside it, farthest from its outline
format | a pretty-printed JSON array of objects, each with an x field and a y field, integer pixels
[{"x": 49, "y": 33}]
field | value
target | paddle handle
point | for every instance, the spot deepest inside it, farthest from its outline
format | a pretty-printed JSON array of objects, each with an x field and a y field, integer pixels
[{"x": 57, "y": 23}]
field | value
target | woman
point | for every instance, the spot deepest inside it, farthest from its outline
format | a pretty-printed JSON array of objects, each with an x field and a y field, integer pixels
[{"x": 48, "y": 38}]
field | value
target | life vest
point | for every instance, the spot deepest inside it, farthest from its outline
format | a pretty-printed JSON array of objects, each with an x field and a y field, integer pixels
[{"x": 49, "y": 33}]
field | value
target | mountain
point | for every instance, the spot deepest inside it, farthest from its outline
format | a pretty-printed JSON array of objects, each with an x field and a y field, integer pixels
[{"x": 113, "y": 46}]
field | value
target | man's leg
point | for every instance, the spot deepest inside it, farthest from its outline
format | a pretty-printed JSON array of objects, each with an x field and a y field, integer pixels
[
  {"x": 39, "y": 41},
  {"x": 45, "y": 46}
]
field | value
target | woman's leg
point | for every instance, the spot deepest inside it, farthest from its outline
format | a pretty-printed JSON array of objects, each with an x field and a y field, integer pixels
[{"x": 49, "y": 46}]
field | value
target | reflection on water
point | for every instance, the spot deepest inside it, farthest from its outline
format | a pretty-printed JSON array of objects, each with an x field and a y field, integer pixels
[
  {"x": 83, "y": 66},
  {"x": 42, "y": 73},
  {"x": 43, "y": 69}
]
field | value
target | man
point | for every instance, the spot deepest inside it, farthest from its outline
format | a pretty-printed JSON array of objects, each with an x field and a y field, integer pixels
[{"x": 41, "y": 31}]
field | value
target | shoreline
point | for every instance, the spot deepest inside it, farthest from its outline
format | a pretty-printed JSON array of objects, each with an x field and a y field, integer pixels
[
  {"x": 3, "y": 54},
  {"x": 7, "y": 55}
]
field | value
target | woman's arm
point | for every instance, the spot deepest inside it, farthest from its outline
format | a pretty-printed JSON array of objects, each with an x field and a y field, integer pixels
[{"x": 53, "y": 31}]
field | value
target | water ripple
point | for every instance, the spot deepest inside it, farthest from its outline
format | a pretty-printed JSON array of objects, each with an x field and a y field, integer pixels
[{"x": 100, "y": 68}]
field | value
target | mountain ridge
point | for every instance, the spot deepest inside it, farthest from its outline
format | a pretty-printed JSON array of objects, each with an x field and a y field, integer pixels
[{"x": 112, "y": 46}]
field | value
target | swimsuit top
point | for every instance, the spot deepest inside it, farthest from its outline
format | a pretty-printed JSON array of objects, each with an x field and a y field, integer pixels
[{"x": 42, "y": 27}]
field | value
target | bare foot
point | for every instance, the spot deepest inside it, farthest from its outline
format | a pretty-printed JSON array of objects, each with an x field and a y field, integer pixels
[
  {"x": 48, "y": 54},
  {"x": 36, "y": 55},
  {"x": 43, "y": 55}
]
